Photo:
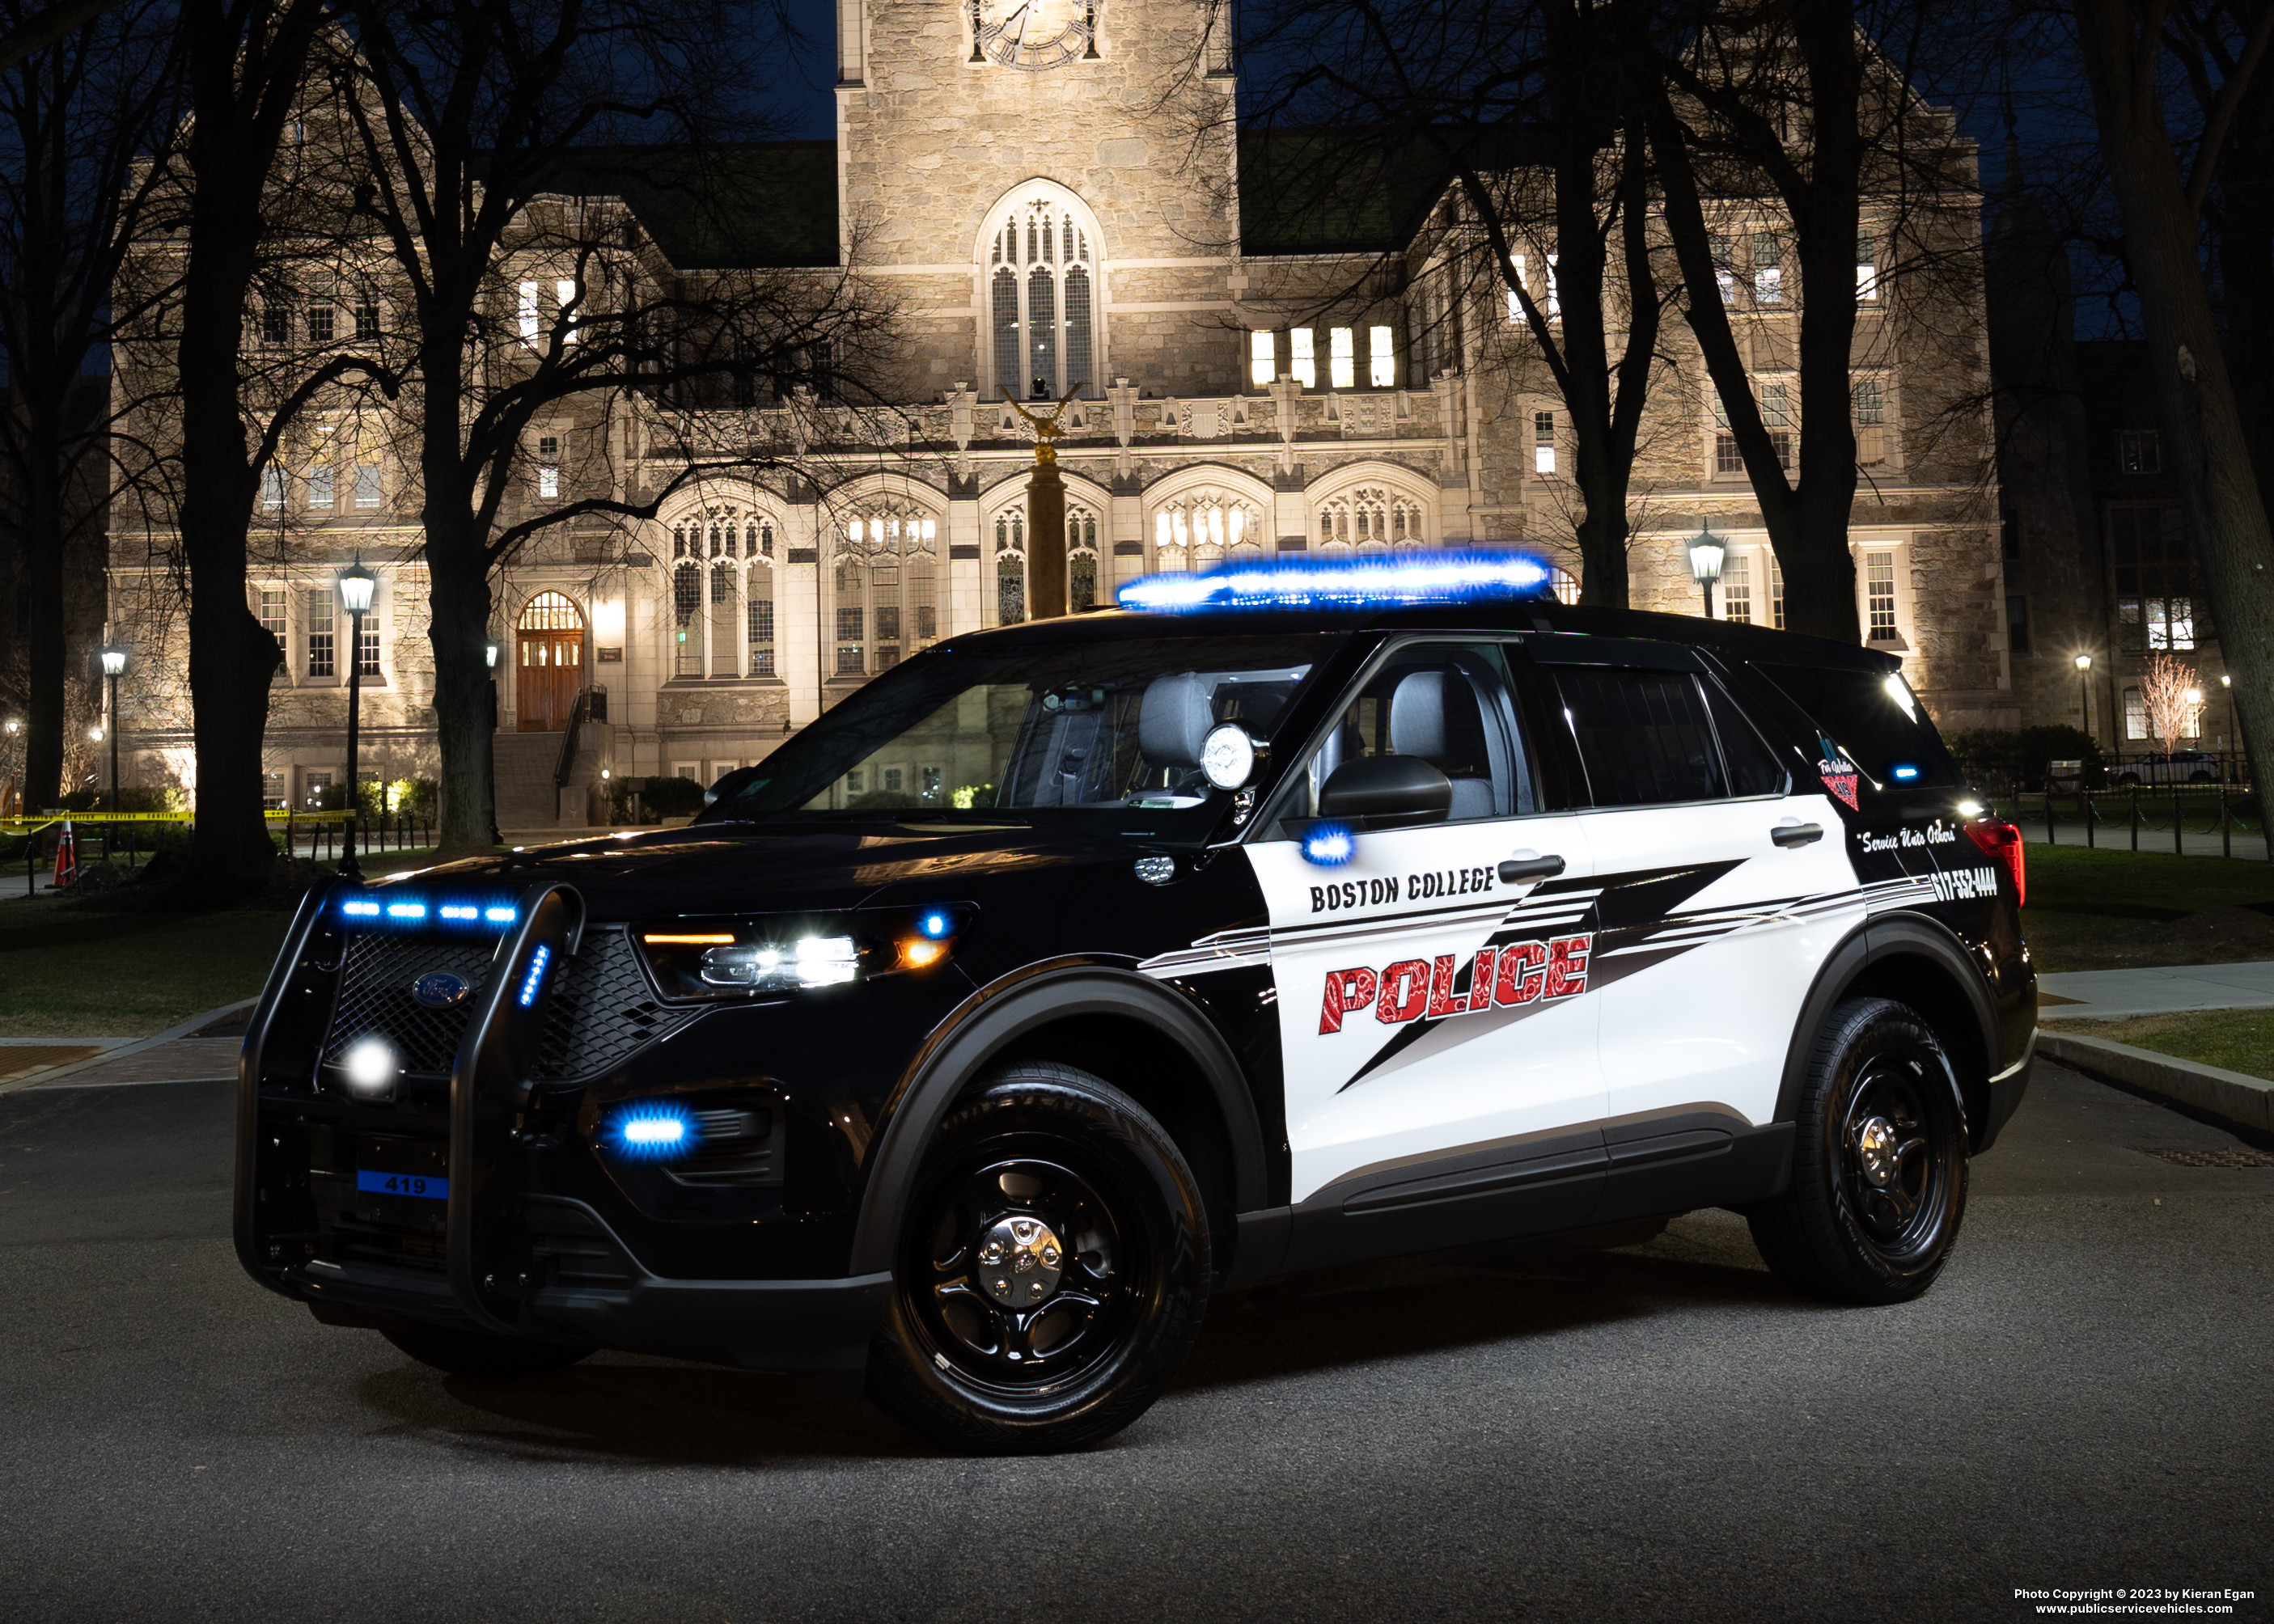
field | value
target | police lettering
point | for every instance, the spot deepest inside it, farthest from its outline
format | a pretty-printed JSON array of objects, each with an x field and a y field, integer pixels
[
  {"x": 1521, "y": 973},
  {"x": 1354, "y": 894},
  {"x": 1447, "y": 883}
]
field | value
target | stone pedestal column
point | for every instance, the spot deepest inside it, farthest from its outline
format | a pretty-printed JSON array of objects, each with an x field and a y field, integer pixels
[{"x": 1046, "y": 547}]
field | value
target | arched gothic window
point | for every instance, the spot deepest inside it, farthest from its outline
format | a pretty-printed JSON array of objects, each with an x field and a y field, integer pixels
[
  {"x": 1201, "y": 528},
  {"x": 1082, "y": 533},
  {"x": 885, "y": 583},
  {"x": 1042, "y": 281},
  {"x": 1370, "y": 519},
  {"x": 719, "y": 613}
]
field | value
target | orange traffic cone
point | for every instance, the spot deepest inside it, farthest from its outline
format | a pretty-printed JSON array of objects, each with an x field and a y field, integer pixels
[{"x": 66, "y": 858}]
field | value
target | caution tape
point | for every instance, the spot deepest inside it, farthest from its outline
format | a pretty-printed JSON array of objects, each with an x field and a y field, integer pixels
[{"x": 32, "y": 826}]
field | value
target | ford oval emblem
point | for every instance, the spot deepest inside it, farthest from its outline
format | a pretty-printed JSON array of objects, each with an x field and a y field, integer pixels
[{"x": 439, "y": 989}]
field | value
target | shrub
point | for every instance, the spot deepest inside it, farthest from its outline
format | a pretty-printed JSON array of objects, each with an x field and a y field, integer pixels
[{"x": 2007, "y": 763}]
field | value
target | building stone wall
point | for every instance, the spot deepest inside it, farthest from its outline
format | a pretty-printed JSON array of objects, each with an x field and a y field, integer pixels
[{"x": 932, "y": 152}]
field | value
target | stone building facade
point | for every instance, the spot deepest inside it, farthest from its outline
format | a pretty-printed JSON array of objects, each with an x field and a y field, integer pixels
[{"x": 1055, "y": 206}]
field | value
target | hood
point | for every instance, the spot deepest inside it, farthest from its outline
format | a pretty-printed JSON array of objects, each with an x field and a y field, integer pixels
[{"x": 748, "y": 868}]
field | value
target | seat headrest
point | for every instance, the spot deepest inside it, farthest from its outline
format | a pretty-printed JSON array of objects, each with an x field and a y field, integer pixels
[
  {"x": 1174, "y": 720},
  {"x": 1417, "y": 716}
]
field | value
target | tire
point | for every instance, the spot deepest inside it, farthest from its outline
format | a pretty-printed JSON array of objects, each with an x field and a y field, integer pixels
[
  {"x": 1077, "y": 1337},
  {"x": 1878, "y": 1165},
  {"x": 480, "y": 1353}
]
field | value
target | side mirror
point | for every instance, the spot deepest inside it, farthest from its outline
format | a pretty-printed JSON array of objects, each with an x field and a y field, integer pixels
[{"x": 1386, "y": 791}]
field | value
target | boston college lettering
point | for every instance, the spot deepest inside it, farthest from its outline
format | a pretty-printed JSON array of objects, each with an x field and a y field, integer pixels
[{"x": 1521, "y": 973}]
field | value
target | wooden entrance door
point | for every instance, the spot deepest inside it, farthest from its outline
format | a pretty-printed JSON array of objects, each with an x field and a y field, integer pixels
[{"x": 550, "y": 636}]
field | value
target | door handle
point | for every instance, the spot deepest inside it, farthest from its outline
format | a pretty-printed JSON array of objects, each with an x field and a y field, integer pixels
[
  {"x": 1791, "y": 835},
  {"x": 1531, "y": 867}
]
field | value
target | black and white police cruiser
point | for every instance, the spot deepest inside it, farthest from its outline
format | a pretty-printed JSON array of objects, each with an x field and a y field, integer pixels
[{"x": 1069, "y": 973}]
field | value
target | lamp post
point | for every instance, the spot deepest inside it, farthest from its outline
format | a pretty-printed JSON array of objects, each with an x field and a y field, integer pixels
[
  {"x": 489, "y": 745},
  {"x": 114, "y": 667},
  {"x": 2234, "y": 730},
  {"x": 1708, "y": 551},
  {"x": 2084, "y": 689},
  {"x": 355, "y": 586},
  {"x": 15, "y": 730}
]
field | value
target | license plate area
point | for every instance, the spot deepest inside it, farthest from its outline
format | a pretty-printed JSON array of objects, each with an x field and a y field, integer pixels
[{"x": 404, "y": 1170}]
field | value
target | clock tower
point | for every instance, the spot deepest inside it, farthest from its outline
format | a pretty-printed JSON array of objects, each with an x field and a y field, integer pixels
[{"x": 1045, "y": 185}]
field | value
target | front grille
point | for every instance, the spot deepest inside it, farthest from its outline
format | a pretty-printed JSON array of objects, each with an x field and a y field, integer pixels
[
  {"x": 375, "y": 999},
  {"x": 601, "y": 1007}
]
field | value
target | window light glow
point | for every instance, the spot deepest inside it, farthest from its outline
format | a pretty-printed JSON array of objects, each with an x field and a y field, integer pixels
[{"x": 1361, "y": 583}]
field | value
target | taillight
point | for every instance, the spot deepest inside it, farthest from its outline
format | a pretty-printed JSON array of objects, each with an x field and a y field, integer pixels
[{"x": 2003, "y": 842}]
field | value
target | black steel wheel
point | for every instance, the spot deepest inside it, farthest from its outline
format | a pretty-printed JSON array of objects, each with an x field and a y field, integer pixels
[
  {"x": 481, "y": 1353},
  {"x": 1053, "y": 1269},
  {"x": 1879, "y": 1174}
]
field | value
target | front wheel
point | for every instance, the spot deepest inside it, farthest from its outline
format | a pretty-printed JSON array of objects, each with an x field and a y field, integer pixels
[
  {"x": 1052, "y": 1271},
  {"x": 1878, "y": 1167}
]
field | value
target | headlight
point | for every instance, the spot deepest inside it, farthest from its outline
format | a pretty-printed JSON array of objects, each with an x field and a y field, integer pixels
[{"x": 788, "y": 953}]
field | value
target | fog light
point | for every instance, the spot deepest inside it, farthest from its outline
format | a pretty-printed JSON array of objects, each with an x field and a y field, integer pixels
[
  {"x": 650, "y": 1130},
  {"x": 370, "y": 1066}
]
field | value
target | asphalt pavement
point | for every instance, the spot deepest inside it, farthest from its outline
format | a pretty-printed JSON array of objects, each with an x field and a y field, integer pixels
[{"x": 2083, "y": 1401}]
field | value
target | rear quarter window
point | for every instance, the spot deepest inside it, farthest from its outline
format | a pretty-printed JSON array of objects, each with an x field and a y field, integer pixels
[{"x": 1875, "y": 719}]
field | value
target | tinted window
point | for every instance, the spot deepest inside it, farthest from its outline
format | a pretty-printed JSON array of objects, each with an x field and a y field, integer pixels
[
  {"x": 1448, "y": 704},
  {"x": 1644, "y": 737},
  {"x": 1751, "y": 765},
  {"x": 1876, "y": 720}
]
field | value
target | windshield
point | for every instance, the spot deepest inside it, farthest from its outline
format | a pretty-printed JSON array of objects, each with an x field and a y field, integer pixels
[{"x": 1105, "y": 730}]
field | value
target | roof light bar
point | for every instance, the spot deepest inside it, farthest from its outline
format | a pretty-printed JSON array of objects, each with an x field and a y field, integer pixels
[
  {"x": 1343, "y": 583},
  {"x": 392, "y": 907}
]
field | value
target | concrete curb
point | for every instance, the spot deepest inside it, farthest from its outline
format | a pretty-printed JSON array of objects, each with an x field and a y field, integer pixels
[
  {"x": 2245, "y": 1102},
  {"x": 188, "y": 1029}
]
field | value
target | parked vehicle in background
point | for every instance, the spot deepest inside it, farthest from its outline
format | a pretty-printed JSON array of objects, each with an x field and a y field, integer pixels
[{"x": 2180, "y": 767}]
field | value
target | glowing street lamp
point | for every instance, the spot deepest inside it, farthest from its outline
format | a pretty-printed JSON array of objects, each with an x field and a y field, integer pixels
[
  {"x": 114, "y": 667},
  {"x": 1708, "y": 552},
  {"x": 355, "y": 586},
  {"x": 2084, "y": 689}
]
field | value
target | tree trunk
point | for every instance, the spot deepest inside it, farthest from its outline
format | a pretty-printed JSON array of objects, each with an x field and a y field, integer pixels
[
  {"x": 2195, "y": 397},
  {"x": 43, "y": 568},
  {"x": 458, "y": 620}
]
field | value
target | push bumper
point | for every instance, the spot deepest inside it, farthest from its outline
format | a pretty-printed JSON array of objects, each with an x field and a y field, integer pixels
[{"x": 503, "y": 1247}]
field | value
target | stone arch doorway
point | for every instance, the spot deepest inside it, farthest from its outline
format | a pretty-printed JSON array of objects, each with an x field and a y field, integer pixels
[{"x": 550, "y": 643}]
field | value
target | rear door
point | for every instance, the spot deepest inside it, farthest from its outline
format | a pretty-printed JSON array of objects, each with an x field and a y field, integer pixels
[
  {"x": 1434, "y": 1024},
  {"x": 1722, "y": 885}
]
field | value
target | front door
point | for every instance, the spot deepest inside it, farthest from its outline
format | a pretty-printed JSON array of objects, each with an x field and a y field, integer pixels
[
  {"x": 1437, "y": 1038},
  {"x": 551, "y": 638}
]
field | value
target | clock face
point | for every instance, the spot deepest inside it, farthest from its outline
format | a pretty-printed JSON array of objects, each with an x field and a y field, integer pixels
[{"x": 1033, "y": 34}]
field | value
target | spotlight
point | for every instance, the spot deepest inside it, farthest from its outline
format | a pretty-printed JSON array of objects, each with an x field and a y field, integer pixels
[{"x": 370, "y": 1066}]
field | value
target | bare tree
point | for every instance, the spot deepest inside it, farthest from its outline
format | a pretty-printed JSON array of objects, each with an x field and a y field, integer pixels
[
  {"x": 75, "y": 119},
  {"x": 2169, "y": 694},
  {"x": 1803, "y": 106},
  {"x": 487, "y": 140}
]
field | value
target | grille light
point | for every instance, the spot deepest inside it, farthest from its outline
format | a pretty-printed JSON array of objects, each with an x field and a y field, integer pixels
[
  {"x": 935, "y": 925},
  {"x": 406, "y": 910},
  {"x": 535, "y": 978},
  {"x": 1336, "y": 583},
  {"x": 460, "y": 910},
  {"x": 360, "y": 910},
  {"x": 501, "y": 916},
  {"x": 395, "y": 908},
  {"x": 370, "y": 1066},
  {"x": 650, "y": 1130}
]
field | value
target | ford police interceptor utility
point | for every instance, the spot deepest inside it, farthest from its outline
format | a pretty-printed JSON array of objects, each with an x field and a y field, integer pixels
[{"x": 1069, "y": 972}]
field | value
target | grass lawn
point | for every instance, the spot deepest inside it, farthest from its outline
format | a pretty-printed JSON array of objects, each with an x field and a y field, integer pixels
[
  {"x": 68, "y": 969},
  {"x": 2234, "y": 1039},
  {"x": 2103, "y": 910}
]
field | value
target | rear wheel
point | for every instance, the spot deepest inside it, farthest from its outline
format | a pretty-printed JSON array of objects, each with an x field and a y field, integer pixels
[
  {"x": 1052, "y": 1272},
  {"x": 480, "y": 1353},
  {"x": 1879, "y": 1166}
]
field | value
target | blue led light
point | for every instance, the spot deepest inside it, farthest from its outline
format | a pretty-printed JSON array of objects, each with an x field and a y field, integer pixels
[
  {"x": 934, "y": 925},
  {"x": 1345, "y": 584},
  {"x": 406, "y": 910},
  {"x": 1330, "y": 846},
  {"x": 650, "y": 1131},
  {"x": 535, "y": 978},
  {"x": 360, "y": 910},
  {"x": 500, "y": 916},
  {"x": 1906, "y": 772},
  {"x": 460, "y": 910}
]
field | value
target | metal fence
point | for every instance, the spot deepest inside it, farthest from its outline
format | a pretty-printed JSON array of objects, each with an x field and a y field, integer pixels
[{"x": 2145, "y": 817}]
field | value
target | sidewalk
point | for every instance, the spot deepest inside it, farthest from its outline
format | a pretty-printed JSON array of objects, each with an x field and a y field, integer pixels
[
  {"x": 2068, "y": 829},
  {"x": 2119, "y": 995}
]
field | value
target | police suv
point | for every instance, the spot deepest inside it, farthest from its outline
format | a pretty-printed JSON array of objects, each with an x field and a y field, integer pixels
[{"x": 1069, "y": 973}]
